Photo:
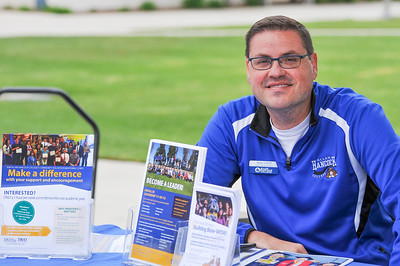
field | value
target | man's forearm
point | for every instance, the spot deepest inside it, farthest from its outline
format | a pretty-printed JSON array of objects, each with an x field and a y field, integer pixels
[{"x": 264, "y": 240}]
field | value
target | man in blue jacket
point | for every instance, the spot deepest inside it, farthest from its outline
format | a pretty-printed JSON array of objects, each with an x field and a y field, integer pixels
[{"x": 319, "y": 166}]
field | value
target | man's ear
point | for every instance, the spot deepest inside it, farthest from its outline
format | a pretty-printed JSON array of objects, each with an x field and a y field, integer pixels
[
  {"x": 248, "y": 64},
  {"x": 314, "y": 62}
]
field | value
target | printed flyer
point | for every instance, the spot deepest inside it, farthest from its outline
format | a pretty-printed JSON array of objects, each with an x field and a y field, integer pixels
[
  {"x": 45, "y": 195},
  {"x": 282, "y": 258},
  {"x": 172, "y": 169},
  {"x": 211, "y": 238}
]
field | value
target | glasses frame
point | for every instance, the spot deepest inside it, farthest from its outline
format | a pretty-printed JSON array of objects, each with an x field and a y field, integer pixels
[{"x": 279, "y": 61}]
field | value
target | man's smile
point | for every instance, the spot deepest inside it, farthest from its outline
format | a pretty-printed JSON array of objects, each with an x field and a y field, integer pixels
[{"x": 278, "y": 86}]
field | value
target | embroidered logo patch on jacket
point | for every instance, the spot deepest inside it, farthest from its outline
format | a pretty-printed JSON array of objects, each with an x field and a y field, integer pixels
[{"x": 324, "y": 167}]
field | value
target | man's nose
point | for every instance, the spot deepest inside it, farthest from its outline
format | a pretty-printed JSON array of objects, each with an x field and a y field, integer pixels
[{"x": 276, "y": 70}]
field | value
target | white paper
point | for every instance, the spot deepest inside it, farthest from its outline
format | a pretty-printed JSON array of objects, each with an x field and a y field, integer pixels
[{"x": 212, "y": 226}]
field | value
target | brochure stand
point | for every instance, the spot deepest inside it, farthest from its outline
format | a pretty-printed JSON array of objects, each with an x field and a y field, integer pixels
[
  {"x": 178, "y": 251},
  {"x": 68, "y": 251},
  {"x": 39, "y": 217},
  {"x": 182, "y": 230},
  {"x": 129, "y": 240},
  {"x": 130, "y": 237}
]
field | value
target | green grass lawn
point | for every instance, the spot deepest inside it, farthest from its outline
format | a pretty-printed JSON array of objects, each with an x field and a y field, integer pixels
[{"x": 138, "y": 88}]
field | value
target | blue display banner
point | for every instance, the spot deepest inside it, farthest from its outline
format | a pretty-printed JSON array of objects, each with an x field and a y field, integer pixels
[{"x": 20, "y": 176}]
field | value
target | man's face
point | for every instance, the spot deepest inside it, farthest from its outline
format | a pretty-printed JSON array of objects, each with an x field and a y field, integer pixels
[{"x": 278, "y": 88}]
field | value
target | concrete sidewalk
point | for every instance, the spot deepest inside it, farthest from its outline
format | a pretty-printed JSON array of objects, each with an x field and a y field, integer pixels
[
  {"x": 118, "y": 187},
  {"x": 15, "y": 23}
]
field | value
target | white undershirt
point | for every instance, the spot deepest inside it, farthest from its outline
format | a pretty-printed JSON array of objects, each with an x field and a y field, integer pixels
[{"x": 288, "y": 138}]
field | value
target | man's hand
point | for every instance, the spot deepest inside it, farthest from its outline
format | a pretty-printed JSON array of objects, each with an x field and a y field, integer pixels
[{"x": 264, "y": 240}]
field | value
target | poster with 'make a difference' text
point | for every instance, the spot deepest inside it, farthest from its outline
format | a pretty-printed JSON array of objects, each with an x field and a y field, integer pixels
[{"x": 46, "y": 195}]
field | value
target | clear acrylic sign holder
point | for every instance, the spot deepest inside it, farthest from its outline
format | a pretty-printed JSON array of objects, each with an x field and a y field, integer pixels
[
  {"x": 177, "y": 251},
  {"x": 48, "y": 110}
]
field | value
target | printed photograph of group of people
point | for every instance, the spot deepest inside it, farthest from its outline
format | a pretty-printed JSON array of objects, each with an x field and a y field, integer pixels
[
  {"x": 51, "y": 150},
  {"x": 173, "y": 164},
  {"x": 215, "y": 208}
]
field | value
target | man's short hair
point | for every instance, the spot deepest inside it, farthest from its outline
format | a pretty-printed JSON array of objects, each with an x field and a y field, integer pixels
[{"x": 280, "y": 23}]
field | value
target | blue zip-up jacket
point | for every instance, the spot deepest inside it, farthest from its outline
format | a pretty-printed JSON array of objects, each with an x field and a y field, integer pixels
[{"x": 338, "y": 193}]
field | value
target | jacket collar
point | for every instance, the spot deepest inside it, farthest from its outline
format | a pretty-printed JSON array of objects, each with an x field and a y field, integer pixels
[{"x": 261, "y": 121}]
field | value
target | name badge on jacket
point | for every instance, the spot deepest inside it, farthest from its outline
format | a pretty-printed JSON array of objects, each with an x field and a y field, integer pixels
[{"x": 263, "y": 167}]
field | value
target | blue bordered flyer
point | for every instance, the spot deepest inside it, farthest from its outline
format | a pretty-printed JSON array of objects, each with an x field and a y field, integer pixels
[
  {"x": 46, "y": 195},
  {"x": 172, "y": 170}
]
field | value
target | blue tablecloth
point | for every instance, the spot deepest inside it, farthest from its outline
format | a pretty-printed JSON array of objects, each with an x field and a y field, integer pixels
[{"x": 97, "y": 259}]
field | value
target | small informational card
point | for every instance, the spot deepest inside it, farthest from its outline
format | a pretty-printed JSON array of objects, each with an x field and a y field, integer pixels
[
  {"x": 172, "y": 170},
  {"x": 212, "y": 226},
  {"x": 46, "y": 195},
  {"x": 261, "y": 257}
]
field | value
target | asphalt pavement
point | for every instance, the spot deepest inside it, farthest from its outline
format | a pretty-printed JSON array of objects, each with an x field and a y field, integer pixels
[{"x": 119, "y": 183}]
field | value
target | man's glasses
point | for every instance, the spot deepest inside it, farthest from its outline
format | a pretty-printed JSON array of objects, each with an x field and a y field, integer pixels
[{"x": 286, "y": 61}]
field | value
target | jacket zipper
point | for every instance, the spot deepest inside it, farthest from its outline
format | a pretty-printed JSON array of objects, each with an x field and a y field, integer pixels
[
  {"x": 288, "y": 163},
  {"x": 288, "y": 159}
]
